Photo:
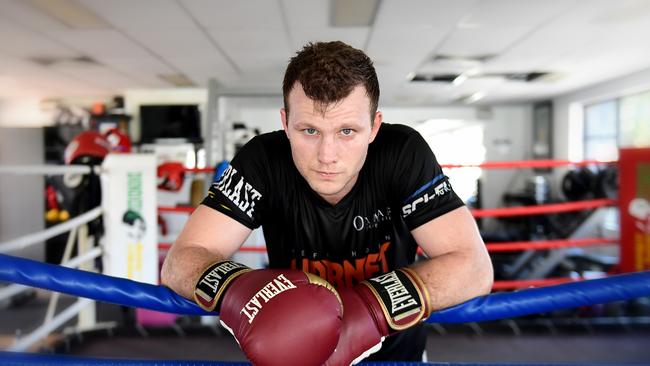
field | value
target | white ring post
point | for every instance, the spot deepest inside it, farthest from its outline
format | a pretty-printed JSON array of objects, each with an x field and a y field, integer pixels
[{"x": 87, "y": 316}]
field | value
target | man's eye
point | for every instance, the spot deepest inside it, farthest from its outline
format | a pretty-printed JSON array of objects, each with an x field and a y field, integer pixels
[
  {"x": 310, "y": 131},
  {"x": 347, "y": 131}
]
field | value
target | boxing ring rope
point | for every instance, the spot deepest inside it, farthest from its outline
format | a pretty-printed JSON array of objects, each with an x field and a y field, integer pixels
[
  {"x": 490, "y": 307},
  {"x": 40, "y": 236},
  {"x": 78, "y": 234},
  {"x": 542, "y": 209},
  {"x": 21, "y": 359},
  {"x": 516, "y": 164},
  {"x": 495, "y": 212},
  {"x": 513, "y": 246},
  {"x": 491, "y": 212},
  {"x": 131, "y": 293},
  {"x": 44, "y": 169}
]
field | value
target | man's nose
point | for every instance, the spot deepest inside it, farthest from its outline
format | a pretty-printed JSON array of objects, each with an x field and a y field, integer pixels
[{"x": 327, "y": 150}]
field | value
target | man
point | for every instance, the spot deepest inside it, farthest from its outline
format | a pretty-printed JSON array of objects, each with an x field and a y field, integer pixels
[{"x": 343, "y": 196}]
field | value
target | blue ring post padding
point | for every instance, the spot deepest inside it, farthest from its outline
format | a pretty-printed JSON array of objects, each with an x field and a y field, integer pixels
[{"x": 490, "y": 307}]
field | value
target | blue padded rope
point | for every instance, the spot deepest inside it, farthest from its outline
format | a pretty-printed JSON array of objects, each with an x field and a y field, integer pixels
[
  {"x": 95, "y": 286},
  {"x": 490, "y": 307},
  {"x": 542, "y": 299},
  {"x": 23, "y": 359}
]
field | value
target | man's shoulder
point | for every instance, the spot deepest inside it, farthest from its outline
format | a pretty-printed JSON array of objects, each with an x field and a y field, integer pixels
[
  {"x": 269, "y": 143},
  {"x": 270, "y": 138},
  {"x": 395, "y": 132},
  {"x": 394, "y": 137}
]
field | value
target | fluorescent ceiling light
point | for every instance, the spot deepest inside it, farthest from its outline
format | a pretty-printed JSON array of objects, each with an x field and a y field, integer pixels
[
  {"x": 70, "y": 13},
  {"x": 459, "y": 79},
  {"x": 475, "y": 97},
  {"x": 467, "y": 23},
  {"x": 357, "y": 13}
]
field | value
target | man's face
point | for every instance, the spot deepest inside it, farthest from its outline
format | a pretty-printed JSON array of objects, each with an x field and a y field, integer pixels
[{"x": 329, "y": 148}]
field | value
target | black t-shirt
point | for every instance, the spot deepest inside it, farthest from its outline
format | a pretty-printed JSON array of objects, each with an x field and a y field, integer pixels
[{"x": 400, "y": 187}]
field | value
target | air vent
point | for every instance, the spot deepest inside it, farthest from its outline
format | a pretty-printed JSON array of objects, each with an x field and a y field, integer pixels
[
  {"x": 179, "y": 80},
  {"x": 518, "y": 77},
  {"x": 527, "y": 77},
  {"x": 442, "y": 78},
  {"x": 47, "y": 61},
  {"x": 472, "y": 59}
]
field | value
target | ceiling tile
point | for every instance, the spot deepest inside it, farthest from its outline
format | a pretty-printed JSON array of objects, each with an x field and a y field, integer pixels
[
  {"x": 307, "y": 14},
  {"x": 355, "y": 37},
  {"x": 141, "y": 14},
  {"x": 254, "y": 49},
  {"x": 241, "y": 14},
  {"x": 22, "y": 42},
  {"x": 421, "y": 13},
  {"x": 24, "y": 13}
]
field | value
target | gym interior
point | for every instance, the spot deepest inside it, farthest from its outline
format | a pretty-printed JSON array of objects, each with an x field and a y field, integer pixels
[{"x": 537, "y": 111}]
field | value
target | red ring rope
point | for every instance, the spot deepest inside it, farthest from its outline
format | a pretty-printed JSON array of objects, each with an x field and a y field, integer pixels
[
  {"x": 518, "y": 284},
  {"x": 548, "y": 244},
  {"x": 529, "y": 164},
  {"x": 548, "y": 163},
  {"x": 491, "y": 212},
  {"x": 543, "y": 209},
  {"x": 491, "y": 247},
  {"x": 184, "y": 209}
]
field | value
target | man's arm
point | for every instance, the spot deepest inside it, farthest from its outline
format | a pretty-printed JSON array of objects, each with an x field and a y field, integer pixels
[
  {"x": 459, "y": 267},
  {"x": 208, "y": 237},
  {"x": 197, "y": 265}
]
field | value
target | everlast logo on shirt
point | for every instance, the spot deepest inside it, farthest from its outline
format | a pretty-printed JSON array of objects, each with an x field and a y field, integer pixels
[
  {"x": 349, "y": 272},
  {"x": 279, "y": 285},
  {"x": 240, "y": 192}
]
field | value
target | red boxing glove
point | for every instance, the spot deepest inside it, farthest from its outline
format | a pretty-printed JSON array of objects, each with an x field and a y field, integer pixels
[
  {"x": 279, "y": 317},
  {"x": 376, "y": 308}
]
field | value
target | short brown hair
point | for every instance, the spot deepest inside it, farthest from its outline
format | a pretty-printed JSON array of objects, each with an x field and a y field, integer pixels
[{"x": 329, "y": 71}]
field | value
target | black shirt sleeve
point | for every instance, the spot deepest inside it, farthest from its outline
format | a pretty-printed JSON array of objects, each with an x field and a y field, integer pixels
[
  {"x": 239, "y": 193},
  {"x": 422, "y": 188}
]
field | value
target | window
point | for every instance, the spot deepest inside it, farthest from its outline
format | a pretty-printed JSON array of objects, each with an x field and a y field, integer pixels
[
  {"x": 635, "y": 120},
  {"x": 601, "y": 132},
  {"x": 456, "y": 142},
  {"x": 621, "y": 122}
]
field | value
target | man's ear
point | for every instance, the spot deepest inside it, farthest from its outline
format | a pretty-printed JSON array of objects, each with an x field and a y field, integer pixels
[
  {"x": 376, "y": 124},
  {"x": 285, "y": 124}
]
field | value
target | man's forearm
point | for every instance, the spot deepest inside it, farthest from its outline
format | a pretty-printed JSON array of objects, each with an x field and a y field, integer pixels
[
  {"x": 455, "y": 277},
  {"x": 183, "y": 266}
]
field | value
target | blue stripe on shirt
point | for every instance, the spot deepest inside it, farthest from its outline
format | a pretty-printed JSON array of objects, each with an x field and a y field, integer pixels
[{"x": 425, "y": 186}]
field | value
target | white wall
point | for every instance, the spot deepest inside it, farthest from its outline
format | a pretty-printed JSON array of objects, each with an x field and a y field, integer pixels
[
  {"x": 21, "y": 196},
  {"x": 507, "y": 136},
  {"x": 23, "y": 112}
]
